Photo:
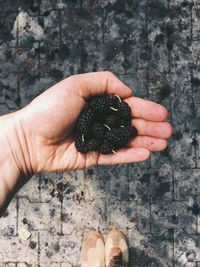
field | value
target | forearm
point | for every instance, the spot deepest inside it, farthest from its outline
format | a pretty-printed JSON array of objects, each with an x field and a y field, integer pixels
[{"x": 13, "y": 167}]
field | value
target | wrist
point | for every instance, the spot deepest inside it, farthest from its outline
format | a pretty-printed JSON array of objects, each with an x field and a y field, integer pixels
[
  {"x": 14, "y": 167},
  {"x": 12, "y": 134}
]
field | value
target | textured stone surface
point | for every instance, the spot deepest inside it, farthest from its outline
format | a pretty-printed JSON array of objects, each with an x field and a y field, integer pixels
[
  {"x": 146, "y": 183},
  {"x": 153, "y": 46},
  {"x": 79, "y": 214},
  {"x": 183, "y": 179},
  {"x": 127, "y": 214},
  {"x": 8, "y": 226},
  {"x": 186, "y": 248},
  {"x": 39, "y": 216},
  {"x": 16, "y": 250},
  {"x": 151, "y": 250},
  {"x": 60, "y": 248},
  {"x": 173, "y": 215}
]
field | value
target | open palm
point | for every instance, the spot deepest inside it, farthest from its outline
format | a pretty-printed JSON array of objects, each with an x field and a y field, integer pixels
[{"x": 48, "y": 121}]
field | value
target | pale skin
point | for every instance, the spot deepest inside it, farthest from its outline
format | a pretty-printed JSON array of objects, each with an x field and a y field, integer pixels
[{"x": 38, "y": 137}]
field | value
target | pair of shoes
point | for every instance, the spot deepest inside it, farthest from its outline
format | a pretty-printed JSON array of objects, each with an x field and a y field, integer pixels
[{"x": 112, "y": 253}]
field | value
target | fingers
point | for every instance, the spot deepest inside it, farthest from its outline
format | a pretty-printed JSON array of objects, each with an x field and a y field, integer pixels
[
  {"x": 94, "y": 83},
  {"x": 125, "y": 155},
  {"x": 162, "y": 130},
  {"x": 146, "y": 109},
  {"x": 150, "y": 143}
]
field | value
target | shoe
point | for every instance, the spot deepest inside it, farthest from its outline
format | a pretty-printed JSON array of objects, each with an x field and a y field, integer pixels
[
  {"x": 116, "y": 250},
  {"x": 92, "y": 252}
]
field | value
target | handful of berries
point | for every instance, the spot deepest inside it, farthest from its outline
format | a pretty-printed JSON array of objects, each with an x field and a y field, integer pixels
[{"x": 105, "y": 125}]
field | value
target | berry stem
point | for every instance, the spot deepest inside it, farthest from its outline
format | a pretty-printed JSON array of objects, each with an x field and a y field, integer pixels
[
  {"x": 119, "y": 98},
  {"x": 115, "y": 109},
  {"x": 82, "y": 138},
  {"x": 107, "y": 127}
]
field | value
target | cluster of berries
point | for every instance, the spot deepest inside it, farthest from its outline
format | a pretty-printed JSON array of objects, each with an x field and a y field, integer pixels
[{"x": 104, "y": 125}]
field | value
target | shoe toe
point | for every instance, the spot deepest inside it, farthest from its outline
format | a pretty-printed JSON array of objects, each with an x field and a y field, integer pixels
[{"x": 92, "y": 252}]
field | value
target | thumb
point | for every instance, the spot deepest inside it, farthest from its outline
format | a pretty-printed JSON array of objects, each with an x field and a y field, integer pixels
[{"x": 94, "y": 83}]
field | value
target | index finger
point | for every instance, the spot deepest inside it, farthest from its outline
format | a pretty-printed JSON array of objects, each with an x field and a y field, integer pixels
[{"x": 146, "y": 109}]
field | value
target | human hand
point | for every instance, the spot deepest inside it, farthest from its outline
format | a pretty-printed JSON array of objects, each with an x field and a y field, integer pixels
[
  {"x": 46, "y": 125},
  {"x": 38, "y": 137}
]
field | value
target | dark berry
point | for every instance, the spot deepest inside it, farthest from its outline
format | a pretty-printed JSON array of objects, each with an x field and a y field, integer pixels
[
  {"x": 123, "y": 122},
  {"x": 111, "y": 120},
  {"x": 102, "y": 104},
  {"x": 98, "y": 130},
  {"x": 121, "y": 136},
  {"x": 124, "y": 111},
  {"x": 104, "y": 126},
  {"x": 80, "y": 145},
  {"x": 85, "y": 120},
  {"x": 114, "y": 100},
  {"x": 93, "y": 145},
  {"x": 87, "y": 145},
  {"x": 106, "y": 148}
]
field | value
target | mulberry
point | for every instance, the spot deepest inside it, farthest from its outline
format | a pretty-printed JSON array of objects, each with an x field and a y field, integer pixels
[
  {"x": 124, "y": 112},
  {"x": 104, "y": 126},
  {"x": 121, "y": 136},
  {"x": 98, "y": 130},
  {"x": 85, "y": 146},
  {"x": 85, "y": 120},
  {"x": 93, "y": 145},
  {"x": 103, "y": 103},
  {"x": 106, "y": 148},
  {"x": 80, "y": 145},
  {"x": 111, "y": 120}
]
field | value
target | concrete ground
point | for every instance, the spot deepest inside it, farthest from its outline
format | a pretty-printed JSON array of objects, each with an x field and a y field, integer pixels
[{"x": 153, "y": 46}]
